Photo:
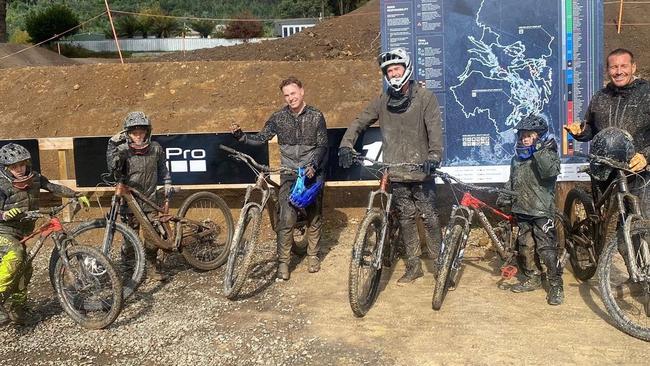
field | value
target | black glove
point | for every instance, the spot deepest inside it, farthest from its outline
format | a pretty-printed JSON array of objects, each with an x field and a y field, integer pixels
[
  {"x": 346, "y": 157},
  {"x": 430, "y": 166},
  {"x": 504, "y": 202}
]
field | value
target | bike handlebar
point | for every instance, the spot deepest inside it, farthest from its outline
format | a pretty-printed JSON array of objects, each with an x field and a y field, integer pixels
[
  {"x": 249, "y": 160},
  {"x": 48, "y": 212},
  {"x": 604, "y": 160}
]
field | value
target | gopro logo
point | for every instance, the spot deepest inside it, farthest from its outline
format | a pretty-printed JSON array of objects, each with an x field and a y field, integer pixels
[{"x": 185, "y": 160}]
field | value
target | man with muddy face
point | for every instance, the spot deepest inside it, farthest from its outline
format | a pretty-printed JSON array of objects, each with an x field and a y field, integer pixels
[
  {"x": 302, "y": 136},
  {"x": 624, "y": 103},
  {"x": 410, "y": 121}
]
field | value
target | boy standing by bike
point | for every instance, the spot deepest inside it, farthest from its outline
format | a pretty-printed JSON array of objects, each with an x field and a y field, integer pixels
[
  {"x": 19, "y": 192},
  {"x": 533, "y": 173},
  {"x": 133, "y": 158}
]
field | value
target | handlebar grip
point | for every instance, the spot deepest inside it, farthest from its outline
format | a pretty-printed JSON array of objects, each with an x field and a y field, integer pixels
[{"x": 228, "y": 149}]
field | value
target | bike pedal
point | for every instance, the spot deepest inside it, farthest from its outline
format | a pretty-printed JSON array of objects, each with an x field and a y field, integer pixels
[{"x": 508, "y": 272}]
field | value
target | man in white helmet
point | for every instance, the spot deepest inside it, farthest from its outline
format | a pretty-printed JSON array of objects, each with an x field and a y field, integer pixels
[{"x": 410, "y": 121}]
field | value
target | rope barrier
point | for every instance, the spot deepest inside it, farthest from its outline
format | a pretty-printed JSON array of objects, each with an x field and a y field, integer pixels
[
  {"x": 53, "y": 37},
  {"x": 228, "y": 19}
]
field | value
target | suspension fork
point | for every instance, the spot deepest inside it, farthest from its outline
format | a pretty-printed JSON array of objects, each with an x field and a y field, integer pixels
[{"x": 377, "y": 262}]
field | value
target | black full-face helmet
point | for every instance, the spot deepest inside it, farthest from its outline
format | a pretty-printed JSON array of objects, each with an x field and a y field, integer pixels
[{"x": 612, "y": 143}]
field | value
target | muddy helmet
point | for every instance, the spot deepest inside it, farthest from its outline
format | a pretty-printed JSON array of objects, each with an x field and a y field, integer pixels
[
  {"x": 533, "y": 122},
  {"x": 612, "y": 143},
  {"x": 13, "y": 153},
  {"x": 136, "y": 119},
  {"x": 398, "y": 56}
]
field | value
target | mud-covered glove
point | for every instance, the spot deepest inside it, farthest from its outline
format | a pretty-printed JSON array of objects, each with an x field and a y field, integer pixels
[
  {"x": 346, "y": 157},
  {"x": 11, "y": 213},
  {"x": 83, "y": 200},
  {"x": 504, "y": 202},
  {"x": 638, "y": 162},
  {"x": 236, "y": 131},
  {"x": 430, "y": 166}
]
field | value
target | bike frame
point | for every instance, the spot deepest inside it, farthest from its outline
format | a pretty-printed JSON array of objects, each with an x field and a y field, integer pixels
[
  {"x": 463, "y": 214},
  {"x": 54, "y": 228}
]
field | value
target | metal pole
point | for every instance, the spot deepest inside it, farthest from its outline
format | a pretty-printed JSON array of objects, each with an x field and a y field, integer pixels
[
  {"x": 110, "y": 19},
  {"x": 620, "y": 17}
]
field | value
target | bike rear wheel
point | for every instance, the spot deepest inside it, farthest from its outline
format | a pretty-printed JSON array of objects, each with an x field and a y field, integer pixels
[
  {"x": 451, "y": 244},
  {"x": 88, "y": 287},
  {"x": 241, "y": 251},
  {"x": 125, "y": 251},
  {"x": 578, "y": 208},
  {"x": 364, "y": 278},
  {"x": 207, "y": 252},
  {"x": 627, "y": 302}
]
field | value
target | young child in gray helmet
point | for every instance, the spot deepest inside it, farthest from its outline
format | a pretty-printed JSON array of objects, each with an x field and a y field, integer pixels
[
  {"x": 137, "y": 161},
  {"x": 533, "y": 173},
  {"x": 20, "y": 188}
]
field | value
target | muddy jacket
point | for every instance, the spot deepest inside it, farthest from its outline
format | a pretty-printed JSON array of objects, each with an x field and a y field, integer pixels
[
  {"x": 413, "y": 136},
  {"x": 627, "y": 108},
  {"x": 139, "y": 171},
  {"x": 302, "y": 138},
  {"x": 534, "y": 181},
  {"x": 26, "y": 200}
]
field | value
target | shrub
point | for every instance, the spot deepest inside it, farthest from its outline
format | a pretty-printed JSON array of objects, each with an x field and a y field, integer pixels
[
  {"x": 244, "y": 28},
  {"x": 52, "y": 21}
]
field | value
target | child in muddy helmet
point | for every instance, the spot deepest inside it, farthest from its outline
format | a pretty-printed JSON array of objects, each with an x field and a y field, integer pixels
[
  {"x": 20, "y": 189},
  {"x": 533, "y": 173},
  {"x": 133, "y": 158}
]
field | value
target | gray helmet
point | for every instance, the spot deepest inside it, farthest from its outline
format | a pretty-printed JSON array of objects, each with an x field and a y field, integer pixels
[
  {"x": 13, "y": 153},
  {"x": 533, "y": 122},
  {"x": 136, "y": 119},
  {"x": 613, "y": 143}
]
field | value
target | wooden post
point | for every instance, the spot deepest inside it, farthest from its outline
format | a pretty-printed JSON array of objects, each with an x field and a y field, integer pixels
[
  {"x": 110, "y": 19},
  {"x": 620, "y": 17}
]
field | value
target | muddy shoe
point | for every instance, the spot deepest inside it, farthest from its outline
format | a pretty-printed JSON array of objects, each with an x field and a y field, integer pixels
[
  {"x": 154, "y": 273},
  {"x": 4, "y": 317},
  {"x": 413, "y": 271},
  {"x": 555, "y": 295},
  {"x": 530, "y": 284},
  {"x": 283, "y": 271},
  {"x": 21, "y": 315},
  {"x": 314, "y": 263}
]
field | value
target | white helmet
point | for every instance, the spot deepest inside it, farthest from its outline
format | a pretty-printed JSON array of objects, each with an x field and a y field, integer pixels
[{"x": 398, "y": 56}]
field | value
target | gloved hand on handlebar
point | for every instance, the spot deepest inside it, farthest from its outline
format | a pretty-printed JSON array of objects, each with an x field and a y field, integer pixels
[
  {"x": 11, "y": 213},
  {"x": 83, "y": 200},
  {"x": 236, "y": 131},
  {"x": 638, "y": 162},
  {"x": 430, "y": 166},
  {"x": 504, "y": 202},
  {"x": 346, "y": 157}
]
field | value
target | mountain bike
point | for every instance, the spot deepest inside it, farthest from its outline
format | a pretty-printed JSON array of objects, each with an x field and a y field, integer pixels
[
  {"x": 201, "y": 231},
  {"x": 624, "y": 264},
  {"x": 250, "y": 220},
  {"x": 503, "y": 236},
  {"x": 87, "y": 285},
  {"x": 376, "y": 242}
]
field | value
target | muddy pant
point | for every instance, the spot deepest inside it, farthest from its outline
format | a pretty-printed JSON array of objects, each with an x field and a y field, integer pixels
[
  {"x": 410, "y": 200},
  {"x": 15, "y": 272},
  {"x": 537, "y": 242},
  {"x": 287, "y": 218}
]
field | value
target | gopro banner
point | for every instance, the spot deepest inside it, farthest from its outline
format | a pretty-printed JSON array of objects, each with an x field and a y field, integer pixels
[
  {"x": 32, "y": 146},
  {"x": 191, "y": 159},
  {"x": 368, "y": 144}
]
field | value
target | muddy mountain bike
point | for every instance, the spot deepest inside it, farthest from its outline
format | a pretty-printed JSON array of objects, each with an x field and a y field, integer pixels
[
  {"x": 201, "y": 231},
  {"x": 376, "y": 242},
  {"x": 86, "y": 283},
  {"x": 624, "y": 264},
  {"x": 249, "y": 228}
]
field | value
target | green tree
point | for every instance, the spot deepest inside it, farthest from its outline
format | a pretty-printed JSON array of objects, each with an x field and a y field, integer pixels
[
  {"x": 303, "y": 8},
  {"x": 244, "y": 27},
  {"x": 127, "y": 26},
  {"x": 3, "y": 20},
  {"x": 203, "y": 27},
  {"x": 50, "y": 22}
]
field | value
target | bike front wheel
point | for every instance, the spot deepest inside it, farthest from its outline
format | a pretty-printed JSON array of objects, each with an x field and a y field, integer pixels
[
  {"x": 364, "y": 277},
  {"x": 88, "y": 287},
  {"x": 207, "y": 248},
  {"x": 451, "y": 245},
  {"x": 241, "y": 251},
  {"x": 627, "y": 301},
  {"x": 125, "y": 250}
]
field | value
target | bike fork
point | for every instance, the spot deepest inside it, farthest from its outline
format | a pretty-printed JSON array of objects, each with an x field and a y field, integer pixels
[{"x": 109, "y": 232}]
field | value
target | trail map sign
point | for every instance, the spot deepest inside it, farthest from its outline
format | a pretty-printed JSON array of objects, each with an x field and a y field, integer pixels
[{"x": 492, "y": 62}]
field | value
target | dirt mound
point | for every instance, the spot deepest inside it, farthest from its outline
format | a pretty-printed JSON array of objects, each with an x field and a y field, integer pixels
[
  {"x": 36, "y": 56},
  {"x": 180, "y": 97},
  {"x": 354, "y": 36},
  {"x": 635, "y": 33}
]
